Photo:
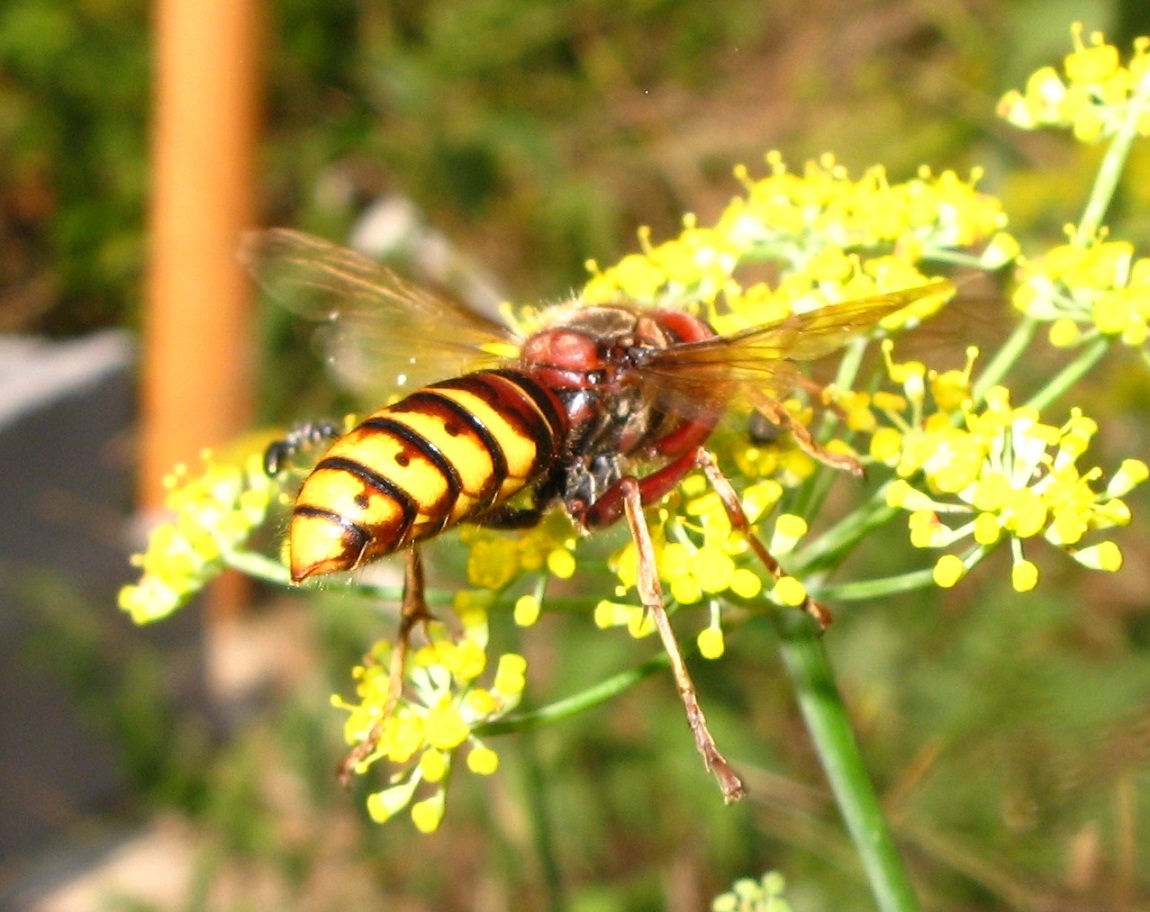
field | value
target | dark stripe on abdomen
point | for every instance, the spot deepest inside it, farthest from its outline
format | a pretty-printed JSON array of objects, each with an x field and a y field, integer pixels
[
  {"x": 545, "y": 401},
  {"x": 425, "y": 448},
  {"x": 427, "y": 401},
  {"x": 382, "y": 485},
  {"x": 359, "y": 536},
  {"x": 513, "y": 396}
]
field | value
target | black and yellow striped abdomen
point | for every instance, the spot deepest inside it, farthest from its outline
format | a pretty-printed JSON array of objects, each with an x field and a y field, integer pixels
[{"x": 445, "y": 454}]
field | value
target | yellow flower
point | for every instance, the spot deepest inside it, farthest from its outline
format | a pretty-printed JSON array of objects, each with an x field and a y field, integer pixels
[
  {"x": 951, "y": 389},
  {"x": 1002, "y": 473},
  {"x": 439, "y": 708},
  {"x": 434, "y": 764},
  {"x": 445, "y": 727},
  {"x": 492, "y": 561},
  {"x": 1086, "y": 288},
  {"x": 213, "y": 514},
  {"x": 509, "y": 677},
  {"x": 747, "y": 895},
  {"x": 527, "y": 609},
  {"x": 710, "y": 642},
  {"x": 790, "y": 592},
  {"x": 836, "y": 238},
  {"x": 427, "y": 814},
  {"x": 788, "y": 530},
  {"x": 496, "y": 559},
  {"x": 385, "y": 804},
  {"x": 1091, "y": 97},
  {"x": 482, "y": 761},
  {"x": 746, "y": 583},
  {"x": 1023, "y": 576},
  {"x": 948, "y": 570}
]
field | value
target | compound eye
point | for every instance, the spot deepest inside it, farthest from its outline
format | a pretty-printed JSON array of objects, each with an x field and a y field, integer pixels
[{"x": 563, "y": 348}]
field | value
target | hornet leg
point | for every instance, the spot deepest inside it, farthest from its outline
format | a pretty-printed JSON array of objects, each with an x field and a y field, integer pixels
[
  {"x": 279, "y": 454},
  {"x": 722, "y": 486},
  {"x": 651, "y": 594},
  {"x": 414, "y": 611},
  {"x": 777, "y": 414}
]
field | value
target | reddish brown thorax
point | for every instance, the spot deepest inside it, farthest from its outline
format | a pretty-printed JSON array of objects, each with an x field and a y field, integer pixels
[
  {"x": 592, "y": 361},
  {"x": 593, "y": 346}
]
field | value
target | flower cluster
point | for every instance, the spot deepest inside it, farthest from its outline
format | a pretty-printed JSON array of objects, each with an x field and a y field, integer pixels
[
  {"x": 771, "y": 455},
  {"x": 999, "y": 470},
  {"x": 436, "y": 716},
  {"x": 701, "y": 558},
  {"x": 832, "y": 236},
  {"x": 495, "y": 560},
  {"x": 1085, "y": 288},
  {"x": 213, "y": 513},
  {"x": 1093, "y": 96},
  {"x": 746, "y": 895}
]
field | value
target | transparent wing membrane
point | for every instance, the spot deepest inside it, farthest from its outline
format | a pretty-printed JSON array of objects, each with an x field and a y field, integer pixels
[{"x": 380, "y": 333}]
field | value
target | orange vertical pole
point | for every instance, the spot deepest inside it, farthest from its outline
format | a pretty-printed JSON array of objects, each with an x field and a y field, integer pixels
[{"x": 198, "y": 353}]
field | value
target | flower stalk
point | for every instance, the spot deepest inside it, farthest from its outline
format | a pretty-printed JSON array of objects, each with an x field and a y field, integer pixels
[{"x": 829, "y": 724}]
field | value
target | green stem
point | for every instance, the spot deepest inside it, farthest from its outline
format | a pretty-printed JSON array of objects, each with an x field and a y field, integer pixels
[
  {"x": 829, "y": 724},
  {"x": 542, "y": 829},
  {"x": 1005, "y": 358},
  {"x": 851, "y": 364},
  {"x": 952, "y": 257},
  {"x": 810, "y": 498},
  {"x": 269, "y": 570},
  {"x": 821, "y": 552},
  {"x": 576, "y": 703},
  {"x": 258, "y": 566},
  {"x": 860, "y": 590},
  {"x": 1112, "y": 166},
  {"x": 1070, "y": 374}
]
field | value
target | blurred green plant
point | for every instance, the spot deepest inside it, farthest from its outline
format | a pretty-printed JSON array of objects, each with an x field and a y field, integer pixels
[
  {"x": 73, "y": 114},
  {"x": 972, "y": 471},
  {"x": 762, "y": 895},
  {"x": 534, "y": 135}
]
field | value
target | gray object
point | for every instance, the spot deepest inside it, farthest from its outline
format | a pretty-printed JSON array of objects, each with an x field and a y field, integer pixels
[{"x": 66, "y": 416}]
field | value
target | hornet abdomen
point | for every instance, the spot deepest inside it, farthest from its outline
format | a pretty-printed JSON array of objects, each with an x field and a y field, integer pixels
[{"x": 445, "y": 454}]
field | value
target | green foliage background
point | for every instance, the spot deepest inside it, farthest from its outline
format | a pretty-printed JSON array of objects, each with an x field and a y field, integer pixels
[
  {"x": 534, "y": 135},
  {"x": 1008, "y": 734}
]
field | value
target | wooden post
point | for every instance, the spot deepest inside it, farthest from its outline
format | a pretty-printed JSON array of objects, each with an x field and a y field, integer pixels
[{"x": 198, "y": 352}]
